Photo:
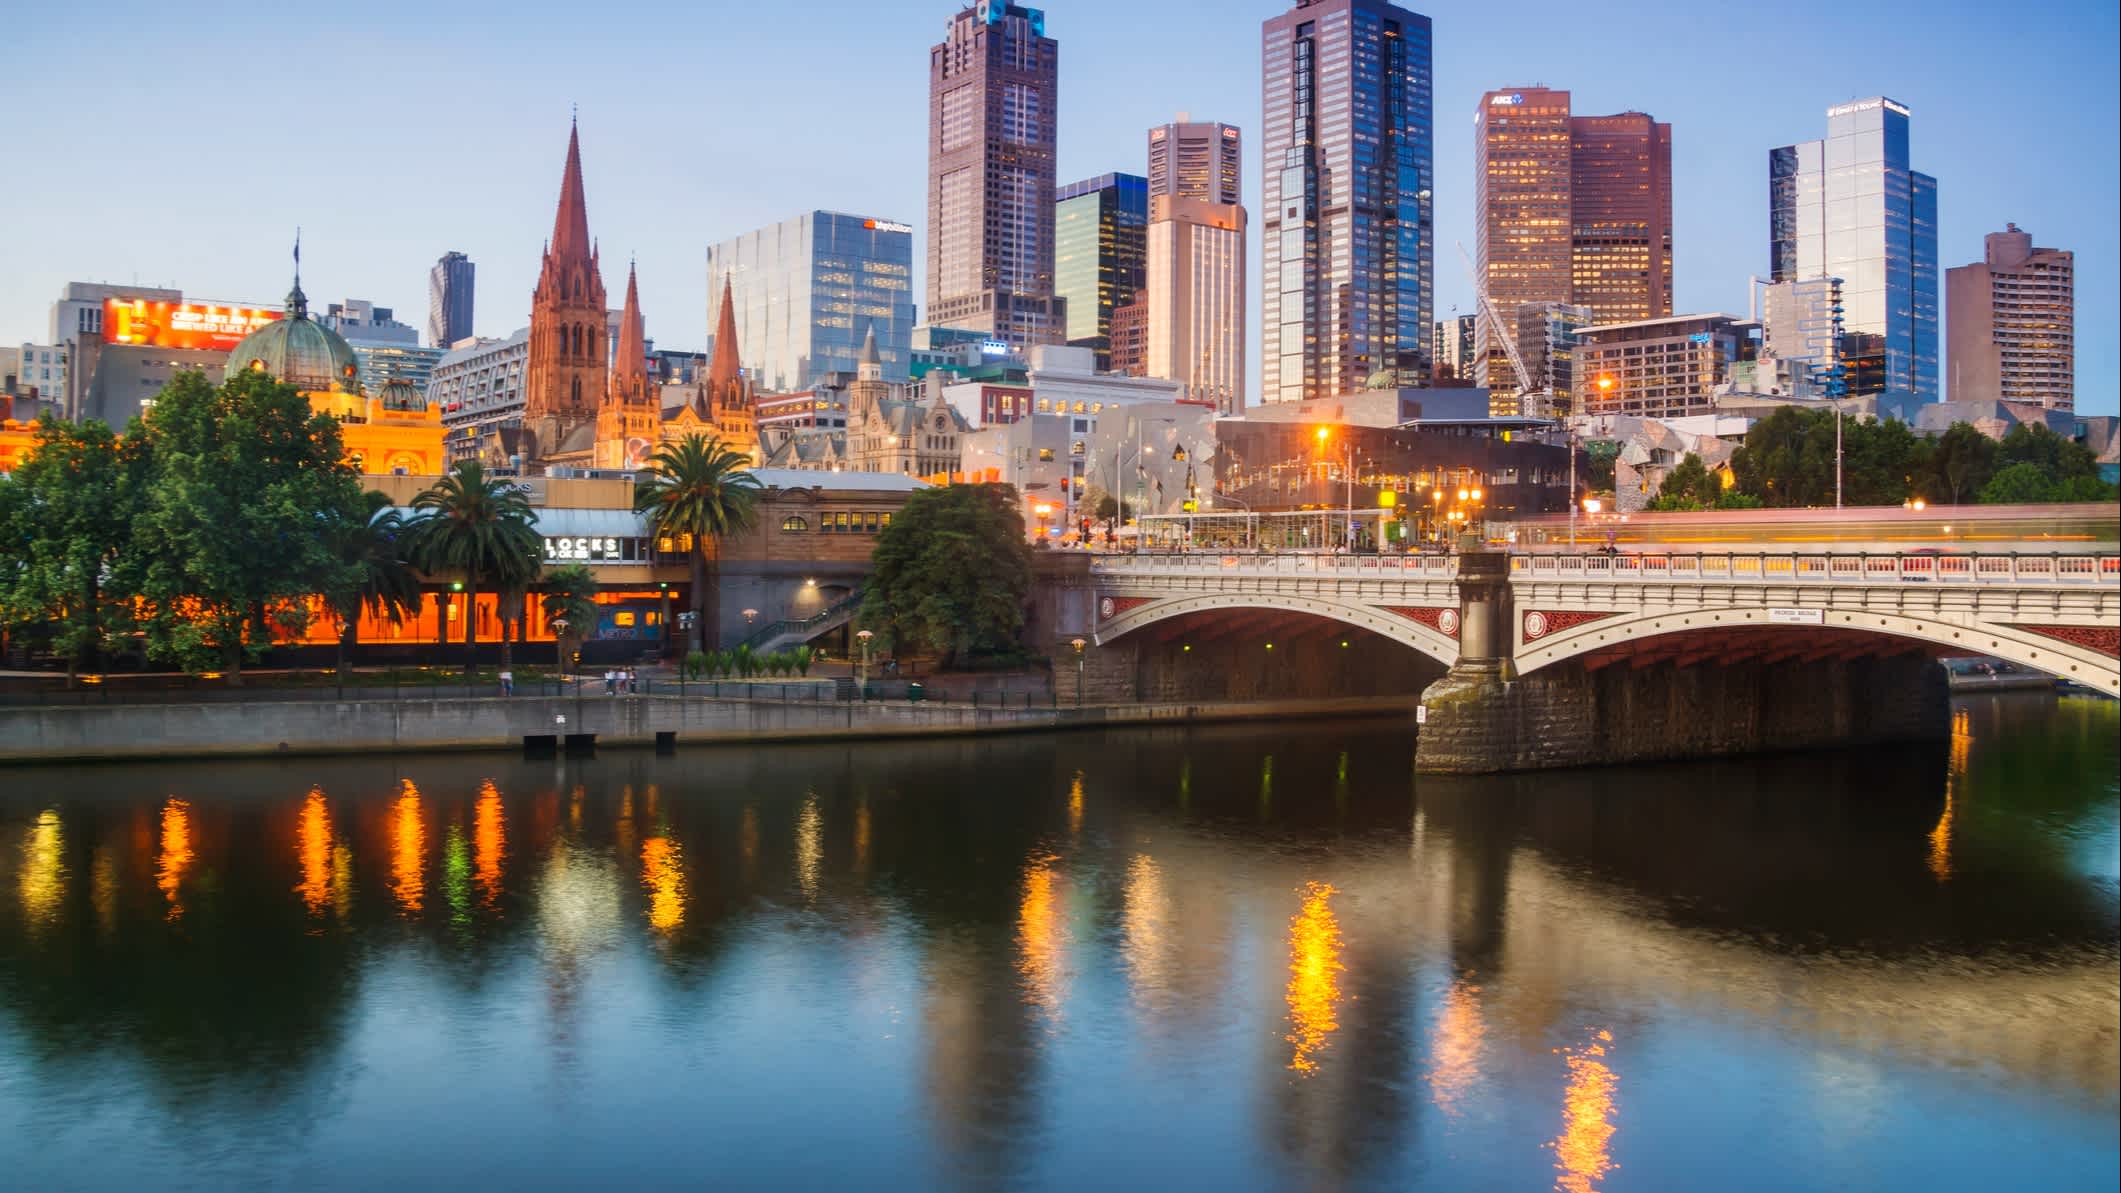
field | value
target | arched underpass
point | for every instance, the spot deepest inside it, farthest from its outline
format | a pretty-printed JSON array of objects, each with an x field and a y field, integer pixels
[{"x": 1258, "y": 653}]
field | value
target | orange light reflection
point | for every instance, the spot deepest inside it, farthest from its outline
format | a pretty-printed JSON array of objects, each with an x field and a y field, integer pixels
[
  {"x": 176, "y": 856},
  {"x": 1041, "y": 935},
  {"x": 663, "y": 873},
  {"x": 313, "y": 850},
  {"x": 408, "y": 849},
  {"x": 1314, "y": 977},
  {"x": 1583, "y": 1150},
  {"x": 489, "y": 843},
  {"x": 1460, "y": 1031}
]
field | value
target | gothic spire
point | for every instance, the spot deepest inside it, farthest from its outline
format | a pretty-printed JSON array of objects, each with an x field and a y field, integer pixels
[
  {"x": 631, "y": 363},
  {"x": 570, "y": 224},
  {"x": 723, "y": 369}
]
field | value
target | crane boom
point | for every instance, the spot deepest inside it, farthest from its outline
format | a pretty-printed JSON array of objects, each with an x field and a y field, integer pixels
[{"x": 1509, "y": 340}]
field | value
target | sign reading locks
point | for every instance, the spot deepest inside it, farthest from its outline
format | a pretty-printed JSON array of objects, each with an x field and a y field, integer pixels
[{"x": 581, "y": 548}]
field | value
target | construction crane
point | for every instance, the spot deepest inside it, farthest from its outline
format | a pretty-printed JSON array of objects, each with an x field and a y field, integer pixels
[{"x": 1535, "y": 403}]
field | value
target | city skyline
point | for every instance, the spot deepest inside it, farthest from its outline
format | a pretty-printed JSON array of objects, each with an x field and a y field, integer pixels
[{"x": 487, "y": 189}]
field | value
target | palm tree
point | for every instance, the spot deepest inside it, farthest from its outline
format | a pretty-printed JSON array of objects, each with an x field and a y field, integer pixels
[
  {"x": 570, "y": 596},
  {"x": 480, "y": 526},
  {"x": 372, "y": 544},
  {"x": 699, "y": 488}
]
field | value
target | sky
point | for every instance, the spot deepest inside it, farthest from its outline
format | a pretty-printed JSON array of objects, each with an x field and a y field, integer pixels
[{"x": 183, "y": 145}]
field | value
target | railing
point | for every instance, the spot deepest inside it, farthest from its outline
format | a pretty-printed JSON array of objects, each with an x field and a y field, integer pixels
[
  {"x": 1744, "y": 568},
  {"x": 808, "y": 627}
]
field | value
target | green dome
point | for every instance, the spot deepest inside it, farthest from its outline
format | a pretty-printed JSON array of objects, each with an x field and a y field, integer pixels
[
  {"x": 399, "y": 394},
  {"x": 299, "y": 351}
]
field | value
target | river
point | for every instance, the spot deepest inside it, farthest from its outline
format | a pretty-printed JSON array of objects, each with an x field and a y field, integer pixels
[{"x": 1216, "y": 959}]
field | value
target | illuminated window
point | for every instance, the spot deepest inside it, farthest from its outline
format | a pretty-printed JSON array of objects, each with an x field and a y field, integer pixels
[{"x": 795, "y": 524}]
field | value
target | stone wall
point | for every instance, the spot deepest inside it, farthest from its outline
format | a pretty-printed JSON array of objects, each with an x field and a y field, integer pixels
[
  {"x": 1476, "y": 721},
  {"x": 1315, "y": 666}
]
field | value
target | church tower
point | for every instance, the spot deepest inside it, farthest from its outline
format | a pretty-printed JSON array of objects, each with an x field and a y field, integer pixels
[
  {"x": 630, "y": 422},
  {"x": 564, "y": 385},
  {"x": 729, "y": 398}
]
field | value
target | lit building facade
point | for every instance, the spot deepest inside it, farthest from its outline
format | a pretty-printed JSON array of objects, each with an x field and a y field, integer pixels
[
  {"x": 1100, "y": 239},
  {"x": 1800, "y": 324},
  {"x": 449, "y": 297},
  {"x": 1197, "y": 160},
  {"x": 1196, "y": 299},
  {"x": 1452, "y": 345},
  {"x": 993, "y": 99},
  {"x": 1851, "y": 207},
  {"x": 1660, "y": 368},
  {"x": 1572, "y": 210},
  {"x": 1546, "y": 338},
  {"x": 1347, "y": 201},
  {"x": 2012, "y": 319},
  {"x": 809, "y": 290}
]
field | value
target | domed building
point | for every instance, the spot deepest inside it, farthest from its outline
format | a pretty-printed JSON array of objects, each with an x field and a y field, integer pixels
[{"x": 391, "y": 432}]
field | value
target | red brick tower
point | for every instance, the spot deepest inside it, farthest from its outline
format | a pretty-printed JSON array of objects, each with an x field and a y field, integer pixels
[
  {"x": 564, "y": 387},
  {"x": 630, "y": 422}
]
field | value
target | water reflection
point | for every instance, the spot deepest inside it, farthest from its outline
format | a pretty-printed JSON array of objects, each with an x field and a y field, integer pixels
[
  {"x": 1314, "y": 977},
  {"x": 1309, "y": 972},
  {"x": 176, "y": 856},
  {"x": 1583, "y": 1151}
]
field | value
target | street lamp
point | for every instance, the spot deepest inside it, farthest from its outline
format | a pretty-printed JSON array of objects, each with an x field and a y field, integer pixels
[
  {"x": 865, "y": 636},
  {"x": 1044, "y": 512},
  {"x": 1078, "y": 644}
]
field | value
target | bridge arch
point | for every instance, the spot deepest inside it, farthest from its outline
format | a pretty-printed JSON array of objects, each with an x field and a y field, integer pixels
[
  {"x": 2024, "y": 647},
  {"x": 1438, "y": 646}
]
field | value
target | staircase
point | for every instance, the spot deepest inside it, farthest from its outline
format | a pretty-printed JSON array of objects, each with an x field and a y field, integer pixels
[{"x": 775, "y": 635}]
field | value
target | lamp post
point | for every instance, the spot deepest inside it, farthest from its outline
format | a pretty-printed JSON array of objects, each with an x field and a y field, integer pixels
[
  {"x": 1078, "y": 644},
  {"x": 863, "y": 682},
  {"x": 1044, "y": 511}
]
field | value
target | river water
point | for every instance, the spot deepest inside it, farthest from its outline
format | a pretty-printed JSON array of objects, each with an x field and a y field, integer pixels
[{"x": 1213, "y": 959}]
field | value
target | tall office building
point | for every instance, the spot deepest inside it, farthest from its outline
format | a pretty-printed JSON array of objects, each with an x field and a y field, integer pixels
[
  {"x": 1850, "y": 207},
  {"x": 1196, "y": 300},
  {"x": 1348, "y": 266},
  {"x": 1546, "y": 338},
  {"x": 1100, "y": 240},
  {"x": 807, "y": 291},
  {"x": 1196, "y": 160},
  {"x": 1452, "y": 345},
  {"x": 449, "y": 288},
  {"x": 993, "y": 85},
  {"x": 1800, "y": 323},
  {"x": 1574, "y": 210},
  {"x": 2012, "y": 317}
]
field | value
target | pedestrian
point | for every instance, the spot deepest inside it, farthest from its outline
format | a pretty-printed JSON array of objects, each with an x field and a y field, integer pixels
[
  {"x": 633, "y": 682},
  {"x": 508, "y": 683},
  {"x": 611, "y": 682}
]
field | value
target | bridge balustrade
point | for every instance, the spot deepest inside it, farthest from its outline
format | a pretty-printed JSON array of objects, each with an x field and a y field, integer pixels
[{"x": 1754, "y": 567}]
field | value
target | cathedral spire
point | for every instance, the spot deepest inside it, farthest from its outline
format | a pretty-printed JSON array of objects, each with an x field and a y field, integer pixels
[
  {"x": 631, "y": 364},
  {"x": 724, "y": 369},
  {"x": 570, "y": 224}
]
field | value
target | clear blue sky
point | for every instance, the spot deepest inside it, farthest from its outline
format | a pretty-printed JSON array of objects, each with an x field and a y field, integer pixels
[{"x": 183, "y": 145}]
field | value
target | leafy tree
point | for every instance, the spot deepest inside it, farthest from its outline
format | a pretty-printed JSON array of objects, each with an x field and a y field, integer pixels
[
  {"x": 1599, "y": 456},
  {"x": 1689, "y": 486},
  {"x": 2084, "y": 489},
  {"x": 2059, "y": 457},
  {"x": 480, "y": 527},
  {"x": 2023, "y": 483},
  {"x": 65, "y": 516},
  {"x": 1788, "y": 460},
  {"x": 235, "y": 529},
  {"x": 804, "y": 657},
  {"x": 570, "y": 596},
  {"x": 952, "y": 572},
  {"x": 702, "y": 491},
  {"x": 1960, "y": 464},
  {"x": 376, "y": 578}
]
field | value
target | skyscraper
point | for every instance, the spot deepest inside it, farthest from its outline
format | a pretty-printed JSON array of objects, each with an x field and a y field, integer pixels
[
  {"x": 564, "y": 382},
  {"x": 449, "y": 288},
  {"x": 1100, "y": 238},
  {"x": 993, "y": 86},
  {"x": 1573, "y": 210},
  {"x": 1851, "y": 207},
  {"x": 1196, "y": 160},
  {"x": 2013, "y": 323},
  {"x": 808, "y": 290},
  {"x": 1452, "y": 347},
  {"x": 1348, "y": 266}
]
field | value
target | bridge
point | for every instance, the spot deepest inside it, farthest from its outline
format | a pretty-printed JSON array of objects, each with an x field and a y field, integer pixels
[{"x": 1648, "y": 635}]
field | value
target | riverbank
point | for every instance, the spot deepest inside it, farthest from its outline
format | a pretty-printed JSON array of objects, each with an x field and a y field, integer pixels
[{"x": 135, "y": 733}]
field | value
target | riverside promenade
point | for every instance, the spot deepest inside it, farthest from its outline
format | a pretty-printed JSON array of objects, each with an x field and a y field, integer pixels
[{"x": 247, "y": 728}]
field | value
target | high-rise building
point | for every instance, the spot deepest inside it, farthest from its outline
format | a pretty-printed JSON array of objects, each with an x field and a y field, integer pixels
[
  {"x": 993, "y": 88},
  {"x": 1196, "y": 301},
  {"x": 569, "y": 343},
  {"x": 1660, "y": 368},
  {"x": 1196, "y": 160},
  {"x": 1800, "y": 324},
  {"x": 1452, "y": 345},
  {"x": 1574, "y": 210},
  {"x": 1100, "y": 240},
  {"x": 1347, "y": 204},
  {"x": 449, "y": 289},
  {"x": 808, "y": 290},
  {"x": 2012, "y": 319},
  {"x": 1130, "y": 339},
  {"x": 1546, "y": 339},
  {"x": 1851, "y": 207}
]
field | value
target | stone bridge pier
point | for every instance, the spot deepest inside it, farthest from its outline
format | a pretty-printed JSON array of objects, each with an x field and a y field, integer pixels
[{"x": 1715, "y": 697}]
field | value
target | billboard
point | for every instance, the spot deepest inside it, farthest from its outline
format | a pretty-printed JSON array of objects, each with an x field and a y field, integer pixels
[{"x": 180, "y": 324}]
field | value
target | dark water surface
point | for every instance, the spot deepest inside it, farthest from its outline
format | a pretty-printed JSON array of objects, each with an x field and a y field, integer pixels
[{"x": 1248, "y": 959}]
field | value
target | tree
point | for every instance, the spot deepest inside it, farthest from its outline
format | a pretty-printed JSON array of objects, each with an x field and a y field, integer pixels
[
  {"x": 701, "y": 492},
  {"x": 569, "y": 596},
  {"x": 481, "y": 527},
  {"x": 1599, "y": 456},
  {"x": 2059, "y": 457},
  {"x": 233, "y": 535},
  {"x": 65, "y": 515},
  {"x": 1788, "y": 460},
  {"x": 2023, "y": 483},
  {"x": 1960, "y": 464},
  {"x": 1689, "y": 486},
  {"x": 952, "y": 572},
  {"x": 376, "y": 578}
]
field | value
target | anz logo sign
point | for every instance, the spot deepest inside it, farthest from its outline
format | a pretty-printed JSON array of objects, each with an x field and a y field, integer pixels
[{"x": 1507, "y": 101}]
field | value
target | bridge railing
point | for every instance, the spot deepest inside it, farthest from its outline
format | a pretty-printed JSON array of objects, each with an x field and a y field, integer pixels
[
  {"x": 1770, "y": 568},
  {"x": 1282, "y": 563}
]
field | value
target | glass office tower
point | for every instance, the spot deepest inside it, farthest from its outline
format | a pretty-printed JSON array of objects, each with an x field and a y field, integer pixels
[
  {"x": 1347, "y": 283},
  {"x": 806, "y": 292},
  {"x": 1850, "y": 207},
  {"x": 449, "y": 287},
  {"x": 1100, "y": 245}
]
